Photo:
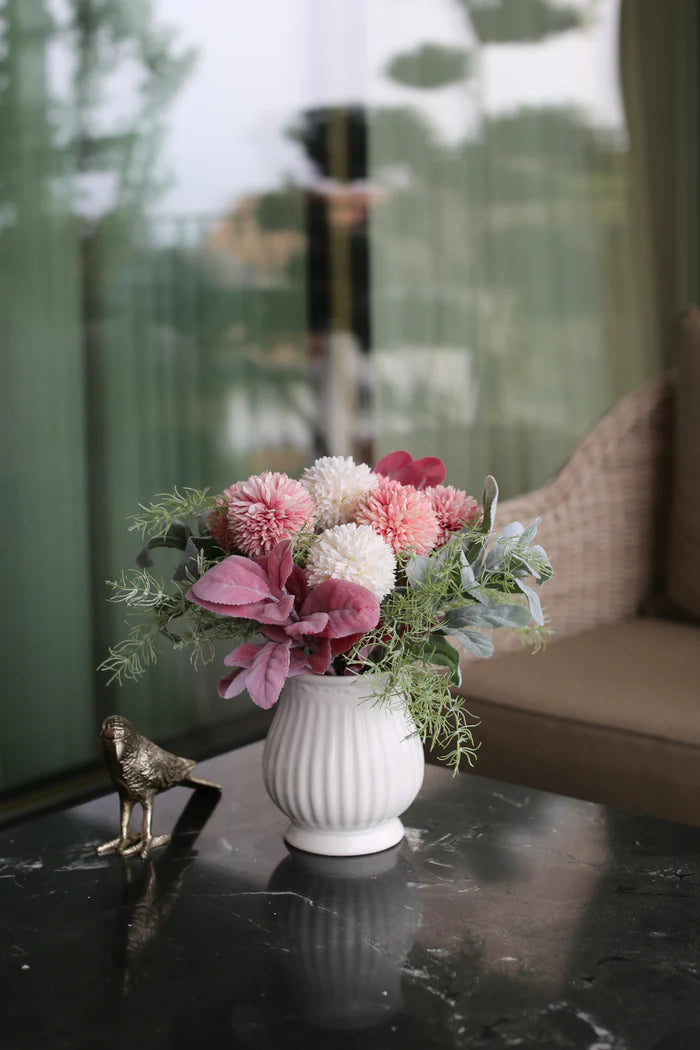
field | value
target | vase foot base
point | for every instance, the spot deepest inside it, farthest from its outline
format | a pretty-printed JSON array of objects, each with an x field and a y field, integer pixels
[{"x": 328, "y": 843}]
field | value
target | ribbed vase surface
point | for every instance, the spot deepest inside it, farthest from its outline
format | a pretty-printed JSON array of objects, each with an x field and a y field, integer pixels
[{"x": 341, "y": 766}]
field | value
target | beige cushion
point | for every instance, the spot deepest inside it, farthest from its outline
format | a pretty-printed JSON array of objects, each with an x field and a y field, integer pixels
[
  {"x": 684, "y": 549},
  {"x": 611, "y": 714}
]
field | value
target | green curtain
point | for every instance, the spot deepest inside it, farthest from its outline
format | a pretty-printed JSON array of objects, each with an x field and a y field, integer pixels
[
  {"x": 133, "y": 344},
  {"x": 511, "y": 276}
]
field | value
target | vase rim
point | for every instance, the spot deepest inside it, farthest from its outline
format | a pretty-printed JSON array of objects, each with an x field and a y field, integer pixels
[{"x": 342, "y": 679}]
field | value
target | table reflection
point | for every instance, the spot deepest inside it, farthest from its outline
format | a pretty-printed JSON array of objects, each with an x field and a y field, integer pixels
[{"x": 346, "y": 926}]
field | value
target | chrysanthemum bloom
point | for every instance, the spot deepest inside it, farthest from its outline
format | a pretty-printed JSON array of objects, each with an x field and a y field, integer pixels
[
  {"x": 354, "y": 553},
  {"x": 336, "y": 485},
  {"x": 454, "y": 509},
  {"x": 218, "y": 521},
  {"x": 401, "y": 515},
  {"x": 265, "y": 509}
]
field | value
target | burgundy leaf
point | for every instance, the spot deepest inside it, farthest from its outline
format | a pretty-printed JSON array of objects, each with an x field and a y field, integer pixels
[
  {"x": 268, "y": 673},
  {"x": 423, "y": 473},
  {"x": 420, "y": 473},
  {"x": 320, "y": 659},
  {"x": 393, "y": 461},
  {"x": 297, "y": 585},
  {"x": 342, "y": 645},
  {"x": 350, "y": 607}
]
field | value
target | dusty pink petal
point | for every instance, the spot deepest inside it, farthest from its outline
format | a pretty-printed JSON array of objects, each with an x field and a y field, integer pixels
[
  {"x": 268, "y": 674},
  {"x": 233, "y": 684},
  {"x": 218, "y": 521},
  {"x": 266, "y": 509},
  {"x": 454, "y": 509},
  {"x": 350, "y": 607},
  {"x": 401, "y": 515}
]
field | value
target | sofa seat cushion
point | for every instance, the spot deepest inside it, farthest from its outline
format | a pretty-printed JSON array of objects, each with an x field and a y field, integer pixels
[{"x": 611, "y": 715}]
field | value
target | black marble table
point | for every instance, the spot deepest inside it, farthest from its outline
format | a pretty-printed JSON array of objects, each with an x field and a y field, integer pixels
[{"x": 507, "y": 917}]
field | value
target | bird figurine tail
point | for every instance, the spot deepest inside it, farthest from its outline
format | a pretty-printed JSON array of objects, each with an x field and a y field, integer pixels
[{"x": 198, "y": 782}]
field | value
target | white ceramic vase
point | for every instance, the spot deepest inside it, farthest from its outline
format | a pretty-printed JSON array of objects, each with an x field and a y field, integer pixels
[{"x": 341, "y": 766}]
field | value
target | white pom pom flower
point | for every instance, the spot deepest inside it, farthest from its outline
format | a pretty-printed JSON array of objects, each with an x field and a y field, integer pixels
[
  {"x": 336, "y": 485},
  {"x": 354, "y": 553}
]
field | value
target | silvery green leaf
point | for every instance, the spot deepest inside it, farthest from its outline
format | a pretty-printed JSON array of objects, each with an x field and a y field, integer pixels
[
  {"x": 544, "y": 568},
  {"x": 467, "y": 577},
  {"x": 488, "y": 614},
  {"x": 475, "y": 642},
  {"x": 437, "y": 650},
  {"x": 533, "y": 600},
  {"x": 489, "y": 502},
  {"x": 417, "y": 570},
  {"x": 530, "y": 532}
]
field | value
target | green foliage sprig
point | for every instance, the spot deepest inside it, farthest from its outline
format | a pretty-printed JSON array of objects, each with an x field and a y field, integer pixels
[{"x": 169, "y": 508}]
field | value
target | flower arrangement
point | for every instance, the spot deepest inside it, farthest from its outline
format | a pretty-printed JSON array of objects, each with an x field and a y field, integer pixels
[{"x": 347, "y": 570}]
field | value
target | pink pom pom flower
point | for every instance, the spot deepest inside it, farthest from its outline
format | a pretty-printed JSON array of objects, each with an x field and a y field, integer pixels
[
  {"x": 453, "y": 508},
  {"x": 401, "y": 515},
  {"x": 262, "y": 511}
]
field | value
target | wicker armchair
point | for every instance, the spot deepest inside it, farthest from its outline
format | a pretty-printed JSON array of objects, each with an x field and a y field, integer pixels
[
  {"x": 603, "y": 517},
  {"x": 610, "y": 710}
]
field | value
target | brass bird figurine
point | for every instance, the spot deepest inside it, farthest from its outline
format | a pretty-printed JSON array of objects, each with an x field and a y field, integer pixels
[{"x": 140, "y": 770}]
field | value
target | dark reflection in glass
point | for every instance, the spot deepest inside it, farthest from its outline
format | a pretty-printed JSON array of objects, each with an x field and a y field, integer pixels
[
  {"x": 152, "y": 889},
  {"x": 346, "y": 926}
]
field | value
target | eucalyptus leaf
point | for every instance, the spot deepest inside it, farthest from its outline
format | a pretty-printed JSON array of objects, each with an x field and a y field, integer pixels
[
  {"x": 437, "y": 650},
  {"x": 533, "y": 600},
  {"x": 489, "y": 502},
  {"x": 488, "y": 614},
  {"x": 417, "y": 570},
  {"x": 475, "y": 642}
]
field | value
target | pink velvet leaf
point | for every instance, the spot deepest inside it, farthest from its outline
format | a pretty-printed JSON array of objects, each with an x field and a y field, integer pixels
[
  {"x": 243, "y": 655},
  {"x": 350, "y": 607},
  {"x": 233, "y": 684},
  {"x": 264, "y": 612},
  {"x": 233, "y": 581},
  {"x": 277, "y": 566},
  {"x": 315, "y": 623},
  {"x": 268, "y": 673},
  {"x": 297, "y": 662}
]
